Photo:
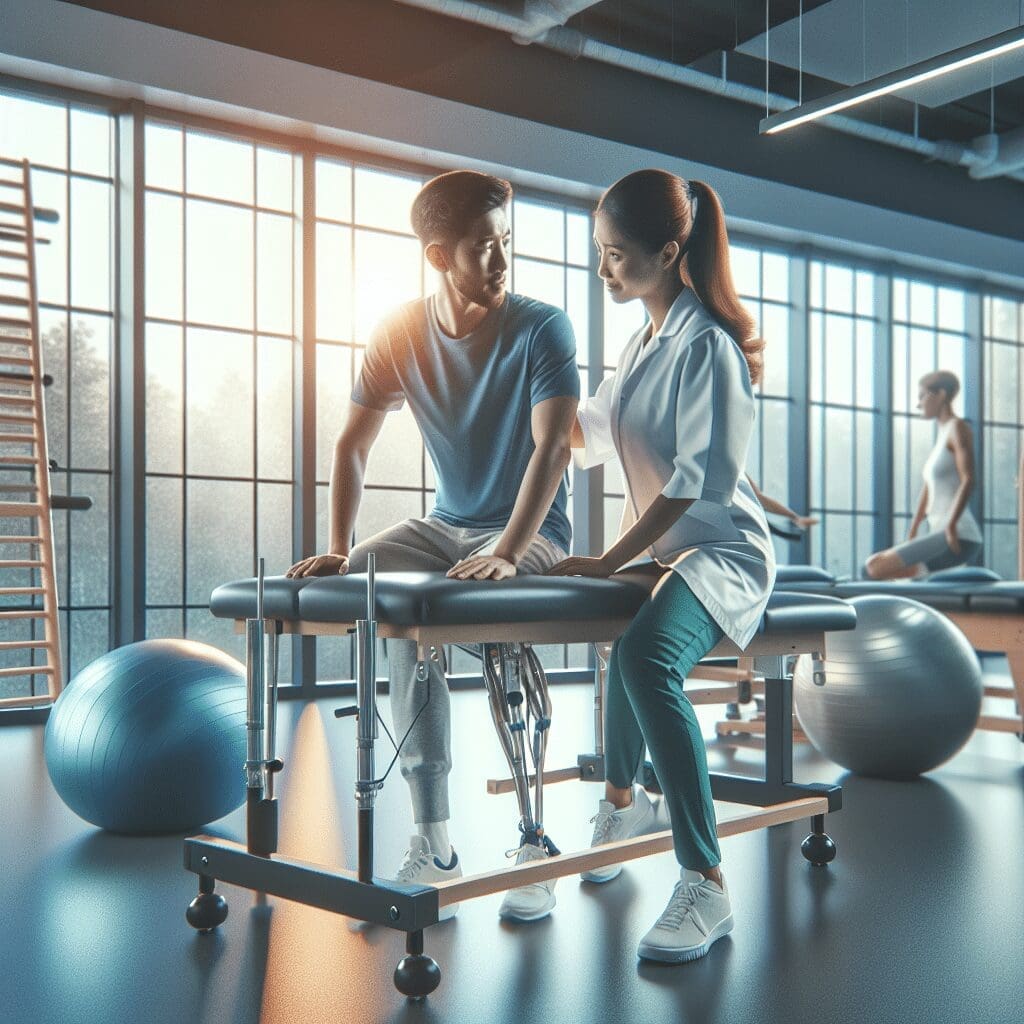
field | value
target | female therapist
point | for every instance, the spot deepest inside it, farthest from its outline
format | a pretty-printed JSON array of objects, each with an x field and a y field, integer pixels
[{"x": 678, "y": 413}]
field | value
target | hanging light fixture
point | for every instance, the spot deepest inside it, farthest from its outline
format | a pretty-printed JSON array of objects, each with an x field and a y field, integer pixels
[{"x": 894, "y": 81}]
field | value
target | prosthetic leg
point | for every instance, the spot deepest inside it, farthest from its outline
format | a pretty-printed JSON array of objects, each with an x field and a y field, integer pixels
[{"x": 518, "y": 694}]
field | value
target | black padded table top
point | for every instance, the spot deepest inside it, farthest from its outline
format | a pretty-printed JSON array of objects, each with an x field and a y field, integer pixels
[
  {"x": 977, "y": 596},
  {"x": 431, "y": 599},
  {"x": 280, "y": 598}
]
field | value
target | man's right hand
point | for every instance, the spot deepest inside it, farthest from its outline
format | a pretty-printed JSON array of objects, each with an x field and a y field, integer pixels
[{"x": 319, "y": 565}]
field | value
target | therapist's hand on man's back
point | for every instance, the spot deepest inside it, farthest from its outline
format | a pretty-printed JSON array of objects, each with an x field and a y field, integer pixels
[{"x": 319, "y": 565}]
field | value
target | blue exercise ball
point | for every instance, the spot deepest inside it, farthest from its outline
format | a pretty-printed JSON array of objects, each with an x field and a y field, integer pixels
[
  {"x": 150, "y": 738},
  {"x": 901, "y": 692}
]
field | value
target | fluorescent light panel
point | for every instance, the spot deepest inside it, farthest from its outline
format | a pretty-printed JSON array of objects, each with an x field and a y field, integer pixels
[{"x": 893, "y": 81}]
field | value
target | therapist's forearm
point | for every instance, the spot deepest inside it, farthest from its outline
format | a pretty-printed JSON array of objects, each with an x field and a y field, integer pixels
[
  {"x": 536, "y": 492},
  {"x": 662, "y": 514}
]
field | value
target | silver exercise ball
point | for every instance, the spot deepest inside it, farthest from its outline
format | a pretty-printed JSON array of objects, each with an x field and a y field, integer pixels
[{"x": 901, "y": 692}]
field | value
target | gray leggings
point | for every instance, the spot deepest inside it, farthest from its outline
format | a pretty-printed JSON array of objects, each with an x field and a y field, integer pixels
[
  {"x": 934, "y": 553},
  {"x": 419, "y": 545}
]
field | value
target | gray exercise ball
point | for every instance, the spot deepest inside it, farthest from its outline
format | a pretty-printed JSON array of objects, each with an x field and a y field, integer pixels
[
  {"x": 150, "y": 738},
  {"x": 901, "y": 692}
]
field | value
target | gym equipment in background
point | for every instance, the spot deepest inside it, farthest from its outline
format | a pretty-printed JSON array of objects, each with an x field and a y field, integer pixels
[
  {"x": 28, "y": 588},
  {"x": 149, "y": 738},
  {"x": 900, "y": 694}
]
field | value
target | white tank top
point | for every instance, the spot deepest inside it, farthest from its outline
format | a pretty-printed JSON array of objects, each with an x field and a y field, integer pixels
[{"x": 943, "y": 481}]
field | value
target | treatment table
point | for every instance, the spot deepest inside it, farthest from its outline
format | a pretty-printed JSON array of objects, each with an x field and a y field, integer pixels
[
  {"x": 989, "y": 611},
  {"x": 505, "y": 619}
]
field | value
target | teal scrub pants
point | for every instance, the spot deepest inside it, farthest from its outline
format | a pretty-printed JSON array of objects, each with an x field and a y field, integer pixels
[{"x": 645, "y": 704}]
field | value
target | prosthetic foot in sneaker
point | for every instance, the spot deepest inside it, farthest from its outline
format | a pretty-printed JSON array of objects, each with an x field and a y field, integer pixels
[{"x": 534, "y": 901}]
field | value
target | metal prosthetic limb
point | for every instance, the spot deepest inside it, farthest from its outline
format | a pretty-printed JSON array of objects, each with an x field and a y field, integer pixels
[
  {"x": 517, "y": 692},
  {"x": 535, "y": 686},
  {"x": 501, "y": 676}
]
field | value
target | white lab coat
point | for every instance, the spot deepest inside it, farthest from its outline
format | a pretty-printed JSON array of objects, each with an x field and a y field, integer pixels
[{"x": 679, "y": 413}]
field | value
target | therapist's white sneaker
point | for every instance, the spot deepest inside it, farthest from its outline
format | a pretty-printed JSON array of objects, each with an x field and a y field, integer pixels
[
  {"x": 697, "y": 915},
  {"x": 529, "y": 902},
  {"x": 611, "y": 825},
  {"x": 421, "y": 867}
]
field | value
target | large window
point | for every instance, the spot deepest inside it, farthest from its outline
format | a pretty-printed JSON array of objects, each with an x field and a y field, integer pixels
[
  {"x": 842, "y": 415},
  {"x": 1004, "y": 399},
  {"x": 763, "y": 280},
  {"x": 267, "y": 263},
  {"x": 219, "y": 351},
  {"x": 71, "y": 150}
]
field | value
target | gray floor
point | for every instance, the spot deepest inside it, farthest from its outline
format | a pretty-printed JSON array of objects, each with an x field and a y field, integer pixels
[{"x": 920, "y": 919}]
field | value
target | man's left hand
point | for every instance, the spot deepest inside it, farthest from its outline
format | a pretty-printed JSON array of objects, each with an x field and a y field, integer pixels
[{"x": 482, "y": 567}]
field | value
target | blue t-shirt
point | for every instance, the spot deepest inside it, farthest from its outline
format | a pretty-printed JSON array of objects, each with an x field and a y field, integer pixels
[{"x": 471, "y": 398}]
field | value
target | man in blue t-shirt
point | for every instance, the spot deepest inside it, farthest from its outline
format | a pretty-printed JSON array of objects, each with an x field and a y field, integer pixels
[{"x": 492, "y": 382}]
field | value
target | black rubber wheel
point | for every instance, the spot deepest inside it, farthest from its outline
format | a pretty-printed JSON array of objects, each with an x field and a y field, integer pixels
[
  {"x": 732, "y": 712},
  {"x": 819, "y": 849},
  {"x": 207, "y": 911},
  {"x": 417, "y": 975}
]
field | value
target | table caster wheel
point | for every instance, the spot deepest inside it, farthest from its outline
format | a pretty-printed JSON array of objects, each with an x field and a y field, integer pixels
[
  {"x": 207, "y": 911},
  {"x": 417, "y": 975},
  {"x": 732, "y": 712},
  {"x": 819, "y": 849}
]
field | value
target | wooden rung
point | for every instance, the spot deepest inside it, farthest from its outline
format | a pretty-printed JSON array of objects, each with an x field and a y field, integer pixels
[
  {"x": 17, "y": 645},
  {"x": 15, "y": 321},
  {"x": 6, "y": 399},
  {"x": 7, "y": 235},
  {"x": 20, "y": 540},
  {"x": 22, "y": 591},
  {"x": 13, "y": 300},
  {"x": 11, "y": 183},
  {"x": 9, "y": 255},
  {"x": 17, "y": 460},
  {"x": 18, "y": 438},
  {"x": 5, "y": 276},
  {"x": 17, "y": 360},
  {"x": 10, "y": 339},
  {"x": 32, "y": 613},
  {"x": 14, "y": 208},
  {"x": 8, "y": 417},
  {"x": 26, "y": 670},
  {"x": 20, "y": 563},
  {"x": 40, "y": 700},
  {"x": 20, "y": 509},
  {"x": 997, "y": 723}
]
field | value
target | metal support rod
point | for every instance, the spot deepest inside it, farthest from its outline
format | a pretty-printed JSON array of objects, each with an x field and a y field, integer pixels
[
  {"x": 778, "y": 725},
  {"x": 270, "y": 731},
  {"x": 255, "y": 683},
  {"x": 600, "y": 682},
  {"x": 366, "y": 698}
]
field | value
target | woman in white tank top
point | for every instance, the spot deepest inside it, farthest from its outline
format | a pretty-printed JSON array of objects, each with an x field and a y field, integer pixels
[{"x": 953, "y": 536}]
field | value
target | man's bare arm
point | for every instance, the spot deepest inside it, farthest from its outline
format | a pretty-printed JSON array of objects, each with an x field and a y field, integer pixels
[
  {"x": 351, "y": 451},
  {"x": 551, "y": 423}
]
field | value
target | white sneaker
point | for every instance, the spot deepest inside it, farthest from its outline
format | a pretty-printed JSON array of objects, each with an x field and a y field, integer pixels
[
  {"x": 697, "y": 915},
  {"x": 611, "y": 825},
  {"x": 529, "y": 902},
  {"x": 421, "y": 867}
]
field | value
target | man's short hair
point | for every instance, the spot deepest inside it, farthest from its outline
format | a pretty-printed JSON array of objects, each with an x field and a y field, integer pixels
[{"x": 449, "y": 203}]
